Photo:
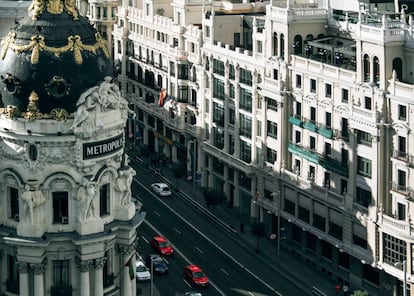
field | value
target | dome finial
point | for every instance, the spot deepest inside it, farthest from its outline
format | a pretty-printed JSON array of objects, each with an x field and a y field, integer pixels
[{"x": 54, "y": 7}]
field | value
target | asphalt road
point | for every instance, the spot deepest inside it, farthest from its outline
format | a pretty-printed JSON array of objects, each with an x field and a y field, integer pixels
[{"x": 232, "y": 269}]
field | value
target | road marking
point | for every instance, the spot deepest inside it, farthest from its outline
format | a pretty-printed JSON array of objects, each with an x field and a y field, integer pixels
[
  {"x": 198, "y": 249},
  {"x": 156, "y": 213},
  {"x": 250, "y": 293},
  {"x": 225, "y": 272},
  {"x": 145, "y": 240},
  {"x": 176, "y": 230}
]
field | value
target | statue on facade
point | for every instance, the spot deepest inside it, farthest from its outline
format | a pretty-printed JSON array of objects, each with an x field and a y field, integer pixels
[
  {"x": 123, "y": 185},
  {"x": 32, "y": 199},
  {"x": 85, "y": 197}
]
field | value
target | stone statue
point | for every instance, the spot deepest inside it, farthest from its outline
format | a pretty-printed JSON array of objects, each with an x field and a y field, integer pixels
[
  {"x": 123, "y": 185},
  {"x": 85, "y": 197},
  {"x": 31, "y": 200},
  {"x": 87, "y": 104}
]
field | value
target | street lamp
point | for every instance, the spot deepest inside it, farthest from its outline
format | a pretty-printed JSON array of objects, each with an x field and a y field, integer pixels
[
  {"x": 404, "y": 266},
  {"x": 278, "y": 223},
  {"x": 193, "y": 143}
]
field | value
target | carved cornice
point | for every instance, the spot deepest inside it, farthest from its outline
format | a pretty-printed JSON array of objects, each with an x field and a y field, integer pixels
[
  {"x": 84, "y": 265},
  {"x": 38, "y": 268},
  {"x": 23, "y": 267},
  {"x": 100, "y": 262},
  {"x": 126, "y": 250},
  {"x": 37, "y": 44}
]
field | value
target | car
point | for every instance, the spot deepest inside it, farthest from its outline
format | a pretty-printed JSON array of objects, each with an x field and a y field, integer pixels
[
  {"x": 142, "y": 272},
  {"x": 192, "y": 293},
  {"x": 161, "y": 189},
  {"x": 195, "y": 275},
  {"x": 162, "y": 245},
  {"x": 159, "y": 264}
]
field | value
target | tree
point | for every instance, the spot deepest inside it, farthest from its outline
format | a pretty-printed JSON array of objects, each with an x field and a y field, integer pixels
[
  {"x": 213, "y": 197},
  {"x": 258, "y": 230}
]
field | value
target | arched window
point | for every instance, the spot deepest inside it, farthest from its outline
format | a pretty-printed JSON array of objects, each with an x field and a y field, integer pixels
[
  {"x": 308, "y": 48},
  {"x": 297, "y": 45},
  {"x": 282, "y": 46},
  {"x": 367, "y": 68},
  {"x": 376, "y": 69},
  {"x": 398, "y": 67},
  {"x": 274, "y": 41},
  {"x": 160, "y": 60}
]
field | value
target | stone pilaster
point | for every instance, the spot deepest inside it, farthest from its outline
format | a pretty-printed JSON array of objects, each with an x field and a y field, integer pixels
[
  {"x": 39, "y": 270},
  {"x": 23, "y": 278},
  {"x": 99, "y": 264}
]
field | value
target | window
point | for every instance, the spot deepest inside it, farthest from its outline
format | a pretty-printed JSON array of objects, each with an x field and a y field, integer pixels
[
  {"x": 183, "y": 94},
  {"x": 298, "y": 81},
  {"x": 218, "y": 67},
  {"x": 271, "y": 155},
  {"x": 259, "y": 46},
  {"x": 272, "y": 129},
  {"x": 218, "y": 135},
  {"x": 327, "y": 180},
  {"x": 104, "y": 200},
  {"x": 232, "y": 116},
  {"x": 328, "y": 90},
  {"x": 231, "y": 72},
  {"x": 312, "y": 143},
  {"x": 345, "y": 95},
  {"x": 289, "y": 207},
  {"x": 328, "y": 150},
  {"x": 402, "y": 112},
  {"x": 395, "y": 250},
  {"x": 311, "y": 173},
  {"x": 313, "y": 86},
  {"x": 231, "y": 91},
  {"x": 32, "y": 150},
  {"x": 401, "y": 211},
  {"x": 172, "y": 69},
  {"x": 175, "y": 42},
  {"x": 402, "y": 180},
  {"x": 344, "y": 186},
  {"x": 218, "y": 89},
  {"x": 60, "y": 207},
  {"x": 343, "y": 260},
  {"x": 245, "y": 100},
  {"x": 245, "y": 125},
  {"x": 319, "y": 222},
  {"x": 271, "y": 104},
  {"x": 12, "y": 281},
  {"x": 364, "y": 166},
  {"x": 245, "y": 76},
  {"x": 364, "y": 138},
  {"x": 367, "y": 103},
  {"x": 245, "y": 151},
  {"x": 312, "y": 114},
  {"x": 275, "y": 74},
  {"x": 13, "y": 203},
  {"x": 182, "y": 71},
  {"x": 207, "y": 31},
  {"x": 363, "y": 197},
  {"x": 335, "y": 230},
  {"x": 298, "y": 109},
  {"x": 298, "y": 137},
  {"x": 328, "y": 119},
  {"x": 303, "y": 214},
  {"x": 61, "y": 274},
  {"x": 344, "y": 129},
  {"x": 297, "y": 167},
  {"x": 218, "y": 114}
]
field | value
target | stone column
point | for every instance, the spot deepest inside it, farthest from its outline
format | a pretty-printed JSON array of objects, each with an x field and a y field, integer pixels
[
  {"x": 39, "y": 269},
  {"x": 99, "y": 264},
  {"x": 24, "y": 278},
  {"x": 84, "y": 267},
  {"x": 127, "y": 253}
]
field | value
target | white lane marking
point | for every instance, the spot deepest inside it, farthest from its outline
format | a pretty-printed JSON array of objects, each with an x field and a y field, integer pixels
[
  {"x": 250, "y": 293},
  {"x": 145, "y": 240},
  {"x": 176, "y": 230},
  {"x": 224, "y": 271},
  {"x": 156, "y": 213},
  {"x": 198, "y": 249}
]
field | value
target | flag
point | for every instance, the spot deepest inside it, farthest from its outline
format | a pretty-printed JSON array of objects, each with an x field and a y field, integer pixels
[
  {"x": 163, "y": 94},
  {"x": 131, "y": 269}
]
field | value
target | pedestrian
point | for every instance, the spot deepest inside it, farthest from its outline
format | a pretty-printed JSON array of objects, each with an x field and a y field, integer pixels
[{"x": 337, "y": 289}]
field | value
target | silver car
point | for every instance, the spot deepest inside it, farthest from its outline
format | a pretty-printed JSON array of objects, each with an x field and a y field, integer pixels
[{"x": 161, "y": 189}]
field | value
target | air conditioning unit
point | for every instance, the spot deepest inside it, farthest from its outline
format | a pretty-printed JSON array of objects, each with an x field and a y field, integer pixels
[
  {"x": 65, "y": 220},
  {"x": 16, "y": 217}
]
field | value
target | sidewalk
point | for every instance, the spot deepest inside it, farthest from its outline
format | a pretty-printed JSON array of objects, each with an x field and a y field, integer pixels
[{"x": 312, "y": 281}]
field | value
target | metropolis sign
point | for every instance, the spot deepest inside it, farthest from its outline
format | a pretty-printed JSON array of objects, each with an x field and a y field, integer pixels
[{"x": 102, "y": 148}]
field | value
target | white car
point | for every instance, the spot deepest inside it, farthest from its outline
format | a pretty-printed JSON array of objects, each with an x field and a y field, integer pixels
[
  {"x": 142, "y": 272},
  {"x": 161, "y": 189}
]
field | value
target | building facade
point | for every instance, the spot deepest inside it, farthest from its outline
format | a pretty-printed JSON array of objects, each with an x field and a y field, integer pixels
[
  {"x": 299, "y": 112},
  {"x": 67, "y": 223}
]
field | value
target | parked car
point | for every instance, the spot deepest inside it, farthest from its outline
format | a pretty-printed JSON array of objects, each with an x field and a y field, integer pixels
[
  {"x": 162, "y": 245},
  {"x": 192, "y": 293},
  {"x": 142, "y": 272},
  {"x": 195, "y": 275},
  {"x": 159, "y": 264},
  {"x": 161, "y": 189}
]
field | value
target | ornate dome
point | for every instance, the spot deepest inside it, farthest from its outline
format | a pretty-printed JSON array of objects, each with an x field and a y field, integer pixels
[{"x": 54, "y": 53}]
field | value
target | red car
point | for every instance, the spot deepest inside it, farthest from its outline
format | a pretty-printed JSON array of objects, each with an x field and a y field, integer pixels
[
  {"x": 195, "y": 275},
  {"x": 162, "y": 245}
]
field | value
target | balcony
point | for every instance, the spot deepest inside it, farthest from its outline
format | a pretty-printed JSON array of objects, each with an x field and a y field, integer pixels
[
  {"x": 325, "y": 131},
  {"x": 402, "y": 189},
  {"x": 310, "y": 125},
  {"x": 303, "y": 152},
  {"x": 296, "y": 120}
]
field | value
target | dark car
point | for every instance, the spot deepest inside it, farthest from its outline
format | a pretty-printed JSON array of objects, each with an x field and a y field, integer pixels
[
  {"x": 162, "y": 245},
  {"x": 195, "y": 275},
  {"x": 159, "y": 264}
]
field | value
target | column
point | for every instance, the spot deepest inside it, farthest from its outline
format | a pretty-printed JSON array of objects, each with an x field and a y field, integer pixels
[
  {"x": 84, "y": 267},
  {"x": 38, "y": 269},
  {"x": 24, "y": 278},
  {"x": 99, "y": 264},
  {"x": 127, "y": 253}
]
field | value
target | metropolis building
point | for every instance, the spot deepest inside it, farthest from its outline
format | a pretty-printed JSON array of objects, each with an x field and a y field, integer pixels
[
  {"x": 67, "y": 223},
  {"x": 299, "y": 111}
]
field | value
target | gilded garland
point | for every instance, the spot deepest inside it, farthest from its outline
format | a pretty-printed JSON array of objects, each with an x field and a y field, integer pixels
[
  {"x": 37, "y": 43},
  {"x": 53, "y": 7}
]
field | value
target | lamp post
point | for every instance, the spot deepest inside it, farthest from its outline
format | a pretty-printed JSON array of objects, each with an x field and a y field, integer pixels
[
  {"x": 152, "y": 279},
  {"x": 404, "y": 266},
  {"x": 193, "y": 143},
  {"x": 277, "y": 194}
]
